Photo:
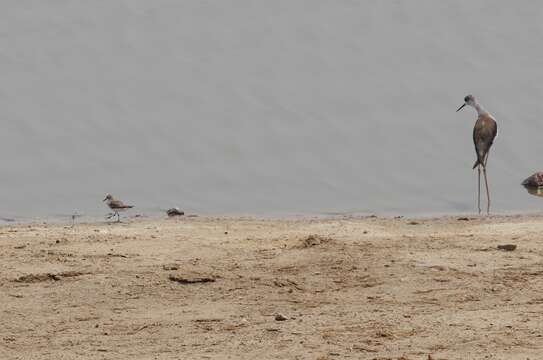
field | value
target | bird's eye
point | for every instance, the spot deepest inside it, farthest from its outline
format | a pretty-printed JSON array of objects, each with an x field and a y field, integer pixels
[{"x": 466, "y": 99}]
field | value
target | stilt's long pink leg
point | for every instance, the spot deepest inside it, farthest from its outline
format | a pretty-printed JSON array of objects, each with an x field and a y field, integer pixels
[
  {"x": 486, "y": 184},
  {"x": 479, "y": 189},
  {"x": 487, "y": 192}
]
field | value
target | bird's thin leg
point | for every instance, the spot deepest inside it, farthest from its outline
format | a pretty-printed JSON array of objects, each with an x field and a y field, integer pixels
[
  {"x": 486, "y": 183},
  {"x": 487, "y": 192},
  {"x": 479, "y": 189},
  {"x": 118, "y": 217}
]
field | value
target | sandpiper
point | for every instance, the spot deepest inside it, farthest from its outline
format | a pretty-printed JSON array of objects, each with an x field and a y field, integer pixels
[
  {"x": 116, "y": 206},
  {"x": 484, "y": 132}
]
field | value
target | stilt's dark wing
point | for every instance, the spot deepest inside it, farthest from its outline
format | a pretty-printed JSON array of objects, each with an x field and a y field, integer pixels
[{"x": 484, "y": 132}]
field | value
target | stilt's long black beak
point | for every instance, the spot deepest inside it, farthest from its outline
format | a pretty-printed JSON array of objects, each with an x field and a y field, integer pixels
[
  {"x": 104, "y": 199},
  {"x": 460, "y": 108}
]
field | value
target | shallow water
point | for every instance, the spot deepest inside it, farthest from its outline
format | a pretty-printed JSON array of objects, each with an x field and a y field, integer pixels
[{"x": 266, "y": 108}]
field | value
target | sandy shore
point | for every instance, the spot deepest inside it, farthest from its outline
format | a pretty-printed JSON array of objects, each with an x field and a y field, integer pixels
[{"x": 202, "y": 288}]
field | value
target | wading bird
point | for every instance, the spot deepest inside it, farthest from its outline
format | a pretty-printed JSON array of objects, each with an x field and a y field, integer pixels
[
  {"x": 116, "y": 206},
  {"x": 484, "y": 132}
]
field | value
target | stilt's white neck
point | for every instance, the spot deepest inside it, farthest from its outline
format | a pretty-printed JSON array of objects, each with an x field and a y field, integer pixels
[{"x": 480, "y": 109}]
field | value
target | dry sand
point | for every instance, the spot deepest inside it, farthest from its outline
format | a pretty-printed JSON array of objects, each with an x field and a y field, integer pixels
[{"x": 359, "y": 288}]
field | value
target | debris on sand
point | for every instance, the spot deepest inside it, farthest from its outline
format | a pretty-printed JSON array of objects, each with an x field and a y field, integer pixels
[
  {"x": 507, "y": 247},
  {"x": 191, "y": 280},
  {"x": 34, "y": 278},
  {"x": 280, "y": 317},
  {"x": 362, "y": 348},
  {"x": 463, "y": 219},
  {"x": 383, "y": 334},
  {"x": 170, "y": 267},
  {"x": 175, "y": 212},
  {"x": 207, "y": 320},
  {"x": 287, "y": 283},
  {"x": 117, "y": 255},
  {"x": 314, "y": 240},
  {"x": 413, "y": 223}
]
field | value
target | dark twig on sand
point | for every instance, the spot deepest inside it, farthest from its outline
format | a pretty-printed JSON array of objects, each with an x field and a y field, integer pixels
[{"x": 194, "y": 280}]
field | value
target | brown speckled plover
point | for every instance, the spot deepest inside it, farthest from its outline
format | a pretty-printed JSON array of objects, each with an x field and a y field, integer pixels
[{"x": 116, "y": 206}]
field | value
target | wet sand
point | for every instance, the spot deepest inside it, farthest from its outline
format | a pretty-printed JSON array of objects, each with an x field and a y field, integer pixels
[{"x": 206, "y": 288}]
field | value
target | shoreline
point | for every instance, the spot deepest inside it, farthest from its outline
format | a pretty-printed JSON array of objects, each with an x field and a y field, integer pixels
[{"x": 101, "y": 219}]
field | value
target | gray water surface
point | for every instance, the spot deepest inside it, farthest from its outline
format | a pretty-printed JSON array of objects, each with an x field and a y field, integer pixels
[{"x": 266, "y": 107}]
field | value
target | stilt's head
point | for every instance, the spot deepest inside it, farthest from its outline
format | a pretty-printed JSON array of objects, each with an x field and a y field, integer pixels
[
  {"x": 108, "y": 197},
  {"x": 468, "y": 100}
]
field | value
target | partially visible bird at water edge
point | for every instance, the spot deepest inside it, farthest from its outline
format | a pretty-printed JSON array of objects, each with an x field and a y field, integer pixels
[
  {"x": 534, "y": 184},
  {"x": 534, "y": 181},
  {"x": 484, "y": 132},
  {"x": 116, "y": 206}
]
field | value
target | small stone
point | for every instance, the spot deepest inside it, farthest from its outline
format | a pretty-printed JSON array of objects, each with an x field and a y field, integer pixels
[
  {"x": 507, "y": 247},
  {"x": 280, "y": 317}
]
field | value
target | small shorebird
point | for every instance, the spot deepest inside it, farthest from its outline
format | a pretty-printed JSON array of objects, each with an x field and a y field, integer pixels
[
  {"x": 534, "y": 184},
  {"x": 484, "y": 132},
  {"x": 535, "y": 181},
  {"x": 116, "y": 206}
]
